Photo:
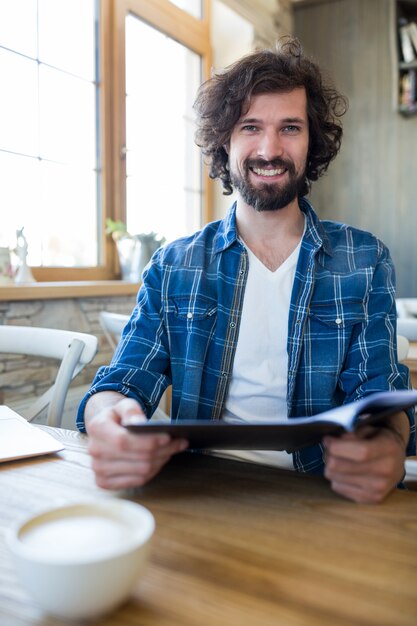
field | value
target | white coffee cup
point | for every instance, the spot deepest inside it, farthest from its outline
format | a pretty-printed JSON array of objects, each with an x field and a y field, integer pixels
[{"x": 83, "y": 560}]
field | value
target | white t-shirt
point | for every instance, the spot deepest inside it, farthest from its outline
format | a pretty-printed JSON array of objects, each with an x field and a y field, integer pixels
[{"x": 258, "y": 388}]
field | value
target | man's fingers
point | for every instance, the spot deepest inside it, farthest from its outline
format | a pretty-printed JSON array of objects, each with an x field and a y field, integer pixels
[
  {"x": 364, "y": 467},
  {"x": 122, "y": 467},
  {"x": 368, "y": 477},
  {"x": 120, "y": 480},
  {"x": 365, "y": 488},
  {"x": 133, "y": 470},
  {"x": 123, "y": 459},
  {"x": 133, "y": 447},
  {"x": 132, "y": 419},
  {"x": 368, "y": 444},
  {"x": 359, "y": 494},
  {"x": 128, "y": 407}
]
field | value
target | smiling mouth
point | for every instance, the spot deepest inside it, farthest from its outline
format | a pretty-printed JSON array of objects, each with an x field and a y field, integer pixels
[{"x": 263, "y": 172}]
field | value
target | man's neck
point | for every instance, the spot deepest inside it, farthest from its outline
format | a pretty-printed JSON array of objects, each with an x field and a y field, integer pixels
[{"x": 271, "y": 235}]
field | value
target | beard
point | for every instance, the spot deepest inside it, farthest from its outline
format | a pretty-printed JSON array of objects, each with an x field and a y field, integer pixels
[{"x": 268, "y": 196}]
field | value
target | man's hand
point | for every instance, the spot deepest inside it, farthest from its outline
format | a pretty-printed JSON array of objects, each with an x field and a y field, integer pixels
[
  {"x": 122, "y": 459},
  {"x": 367, "y": 465}
]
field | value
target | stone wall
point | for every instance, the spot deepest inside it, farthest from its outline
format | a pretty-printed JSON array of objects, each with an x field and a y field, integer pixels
[{"x": 21, "y": 376}]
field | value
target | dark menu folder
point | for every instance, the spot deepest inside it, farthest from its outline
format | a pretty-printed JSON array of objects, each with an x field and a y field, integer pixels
[{"x": 288, "y": 434}]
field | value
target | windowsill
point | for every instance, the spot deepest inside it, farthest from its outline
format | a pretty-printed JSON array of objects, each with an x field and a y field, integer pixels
[{"x": 70, "y": 289}]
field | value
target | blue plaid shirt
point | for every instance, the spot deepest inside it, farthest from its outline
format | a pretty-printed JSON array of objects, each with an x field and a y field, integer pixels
[{"x": 185, "y": 326}]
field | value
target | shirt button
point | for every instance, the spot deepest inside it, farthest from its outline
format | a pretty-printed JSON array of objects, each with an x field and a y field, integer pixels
[
  {"x": 338, "y": 320},
  {"x": 189, "y": 315},
  {"x": 232, "y": 324},
  {"x": 224, "y": 374}
]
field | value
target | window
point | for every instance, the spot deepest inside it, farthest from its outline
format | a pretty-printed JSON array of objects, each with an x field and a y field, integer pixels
[
  {"x": 48, "y": 115},
  {"x": 84, "y": 119},
  {"x": 160, "y": 166},
  {"x": 194, "y": 7},
  {"x": 163, "y": 164}
]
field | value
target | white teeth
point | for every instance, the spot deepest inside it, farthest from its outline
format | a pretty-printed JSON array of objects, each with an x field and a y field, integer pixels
[{"x": 261, "y": 172}]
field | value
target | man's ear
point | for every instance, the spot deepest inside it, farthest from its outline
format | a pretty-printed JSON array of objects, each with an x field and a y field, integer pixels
[{"x": 226, "y": 148}]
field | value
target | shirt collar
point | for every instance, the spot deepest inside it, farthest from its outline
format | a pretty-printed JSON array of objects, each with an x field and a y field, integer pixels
[
  {"x": 315, "y": 233},
  {"x": 227, "y": 233}
]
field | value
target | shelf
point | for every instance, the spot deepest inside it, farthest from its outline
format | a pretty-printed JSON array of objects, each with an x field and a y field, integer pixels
[
  {"x": 59, "y": 290},
  {"x": 412, "y": 65},
  {"x": 408, "y": 112},
  {"x": 406, "y": 80}
]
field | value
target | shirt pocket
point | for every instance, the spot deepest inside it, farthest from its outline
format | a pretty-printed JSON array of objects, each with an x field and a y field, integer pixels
[
  {"x": 192, "y": 324},
  {"x": 337, "y": 317},
  {"x": 193, "y": 310},
  {"x": 330, "y": 331}
]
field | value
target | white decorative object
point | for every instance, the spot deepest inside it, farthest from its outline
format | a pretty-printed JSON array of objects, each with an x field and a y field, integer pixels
[
  {"x": 6, "y": 271},
  {"x": 24, "y": 273},
  {"x": 135, "y": 252}
]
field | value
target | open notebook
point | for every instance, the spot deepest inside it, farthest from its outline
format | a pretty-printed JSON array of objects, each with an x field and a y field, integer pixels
[{"x": 19, "y": 439}]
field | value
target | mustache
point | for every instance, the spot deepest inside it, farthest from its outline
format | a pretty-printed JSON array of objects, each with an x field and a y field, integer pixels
[{"x": 274, "y": 163}]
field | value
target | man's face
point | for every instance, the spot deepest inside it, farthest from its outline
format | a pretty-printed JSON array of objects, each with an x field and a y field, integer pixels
[{"x": 268, "y": 150}]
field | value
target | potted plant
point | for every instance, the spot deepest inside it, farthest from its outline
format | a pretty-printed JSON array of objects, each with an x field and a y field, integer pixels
[{"x": 134, "y": 251}]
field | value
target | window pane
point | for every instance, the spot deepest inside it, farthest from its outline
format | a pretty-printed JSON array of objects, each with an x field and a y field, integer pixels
[
  {"x": 68, "y": 233},
  {"x": 192, "y": 220},
  {"x": 49, "y": 160},
  {"x": 19, "y": 198},
  {"x": 18, "y": 104},
  {"x": 66, "y": 35},
  {"x": 162, "y": 161},
  {"x": 58, "y": 216},
  {"x": 194, "y": 7},
  {"x": 67, "y": 118},
  {"x": 18, "y": 26},
  {"x": 192, "y": 163}
]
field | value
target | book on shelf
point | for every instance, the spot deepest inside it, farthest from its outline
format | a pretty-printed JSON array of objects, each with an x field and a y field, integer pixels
[
  {"x": 407, "y": 48},
  {"x": 282, "y": 434},
  {"x": 412, "y": 32},
  {"x": 408, "y": 91}
]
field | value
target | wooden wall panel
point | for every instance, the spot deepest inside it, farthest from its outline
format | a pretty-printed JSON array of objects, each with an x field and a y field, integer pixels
[{"x": 372, "y": 183}]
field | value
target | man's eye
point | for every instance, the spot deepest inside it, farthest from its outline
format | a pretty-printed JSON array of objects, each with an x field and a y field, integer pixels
[
  {"x": 291, "y": 129},
  {"x": 250, "y": 128}
]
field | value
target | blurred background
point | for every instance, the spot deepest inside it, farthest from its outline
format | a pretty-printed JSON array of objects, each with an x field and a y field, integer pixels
[
  {"x": 96, "y": 119},
  {"x": 97, "y": 138}
]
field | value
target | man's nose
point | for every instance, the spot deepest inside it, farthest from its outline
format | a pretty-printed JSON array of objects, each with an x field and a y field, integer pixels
[{"x": 270, "y": 146}]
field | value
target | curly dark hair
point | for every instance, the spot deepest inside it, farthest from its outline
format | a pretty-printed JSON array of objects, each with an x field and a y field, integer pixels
[{"x": 224, "y": 98}]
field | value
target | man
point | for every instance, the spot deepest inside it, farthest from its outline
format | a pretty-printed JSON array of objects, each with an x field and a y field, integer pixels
[{"x": 269, "y": 312}]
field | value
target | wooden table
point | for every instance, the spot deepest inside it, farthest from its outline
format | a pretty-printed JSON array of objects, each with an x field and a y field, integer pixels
[{"x": 236, "y": 544}]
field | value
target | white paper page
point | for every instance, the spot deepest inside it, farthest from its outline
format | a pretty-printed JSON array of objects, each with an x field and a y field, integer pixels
[
  {"x": 374, "y": 403},
  {"x": 19, "y": 439}
]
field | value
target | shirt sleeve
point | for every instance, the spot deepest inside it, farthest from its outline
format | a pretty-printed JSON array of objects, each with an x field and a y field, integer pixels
[
  {"x": 140, "y": 367},
  {"x": 371, "y": 364}
]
